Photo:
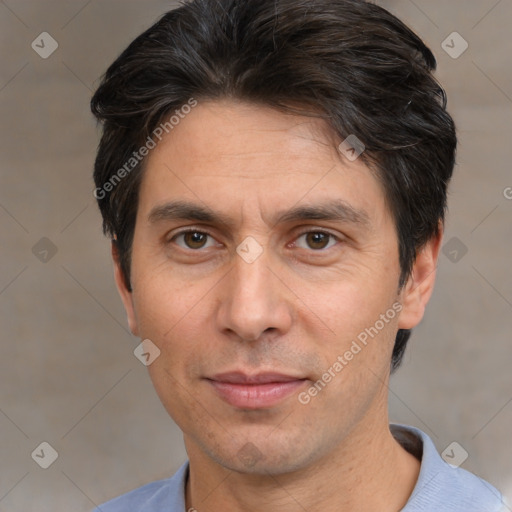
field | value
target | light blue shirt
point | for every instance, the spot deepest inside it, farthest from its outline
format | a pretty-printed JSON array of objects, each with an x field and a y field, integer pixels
[{"x": 440, "y": 486}]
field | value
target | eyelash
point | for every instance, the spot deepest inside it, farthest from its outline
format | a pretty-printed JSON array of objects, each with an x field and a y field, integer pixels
[{"x": 316, "y": 231}]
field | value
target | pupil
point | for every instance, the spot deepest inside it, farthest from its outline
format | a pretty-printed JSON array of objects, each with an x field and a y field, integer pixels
[
  {"x": 318, "y": 238},
  {"x": 196, "y": 237}
]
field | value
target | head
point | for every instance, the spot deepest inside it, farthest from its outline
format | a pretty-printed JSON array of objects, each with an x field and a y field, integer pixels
[{"x": 223, "y": 116}]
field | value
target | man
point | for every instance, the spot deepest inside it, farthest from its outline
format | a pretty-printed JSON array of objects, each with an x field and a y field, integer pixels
[{"x": 273, "y": 176}]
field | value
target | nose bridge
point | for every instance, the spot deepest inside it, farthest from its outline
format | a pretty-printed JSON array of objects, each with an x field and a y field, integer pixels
[
  {"x": 252, "y": 300},
  {"x": 251, "y": 279}
]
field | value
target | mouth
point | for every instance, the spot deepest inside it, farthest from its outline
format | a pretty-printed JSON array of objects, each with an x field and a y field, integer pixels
[{"x": 259, "y": 391}]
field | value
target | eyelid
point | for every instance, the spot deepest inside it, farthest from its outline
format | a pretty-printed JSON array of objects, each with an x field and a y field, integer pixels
[
  {"x": 312, "y": 229},
  {"x": 189, "y": 229}
]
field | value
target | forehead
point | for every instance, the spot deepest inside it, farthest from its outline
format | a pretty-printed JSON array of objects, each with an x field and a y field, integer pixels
[
  {"x": 238, "y": 156},
  {"x": 222, "y": 130}
]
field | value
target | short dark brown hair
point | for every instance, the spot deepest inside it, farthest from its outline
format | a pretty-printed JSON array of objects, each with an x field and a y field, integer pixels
[{"x": 349, "y": 62}]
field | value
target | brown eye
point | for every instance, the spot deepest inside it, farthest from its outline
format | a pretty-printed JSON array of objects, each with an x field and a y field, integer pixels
[
  {"x": 192, "y": 239},
  {"x": 317, "y": 240}
]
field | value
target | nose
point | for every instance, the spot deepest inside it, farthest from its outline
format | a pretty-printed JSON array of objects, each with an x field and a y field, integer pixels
[{"x": 253, "y": 300}]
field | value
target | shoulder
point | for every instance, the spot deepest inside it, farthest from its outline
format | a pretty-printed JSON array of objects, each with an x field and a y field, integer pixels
[
  {"x": 156, "y": 496},
  {"x": 443, "y": 487}
]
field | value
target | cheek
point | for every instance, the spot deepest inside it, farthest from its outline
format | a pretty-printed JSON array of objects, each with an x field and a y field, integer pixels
[
  {"x": 164, "y": 301},
  {"x": 177, "y": 315},
  {"x": 362, "y": 315},
  {"x": 168, "y": 314},
  {"x": 356, "y": 303},
  {"x": 355, "y": 368}
]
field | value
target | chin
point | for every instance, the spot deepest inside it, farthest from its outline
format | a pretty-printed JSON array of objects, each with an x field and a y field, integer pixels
[{"x": 264, "y": 455}]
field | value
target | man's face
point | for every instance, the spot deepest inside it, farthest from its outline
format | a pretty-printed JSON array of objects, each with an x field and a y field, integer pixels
[{"x": 245, "y": 334}]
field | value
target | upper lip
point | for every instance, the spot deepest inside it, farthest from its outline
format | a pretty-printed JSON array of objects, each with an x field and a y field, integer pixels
[{"x": 260, "y": 378}]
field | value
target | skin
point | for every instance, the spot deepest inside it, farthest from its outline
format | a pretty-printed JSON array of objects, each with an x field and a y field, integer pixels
[{"x": 293, "y": 310}]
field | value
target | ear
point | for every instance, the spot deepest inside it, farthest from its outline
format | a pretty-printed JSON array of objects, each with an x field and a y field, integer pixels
[
  {"x": 419, "y": 287},
  {"x": 124, "y": 292}
]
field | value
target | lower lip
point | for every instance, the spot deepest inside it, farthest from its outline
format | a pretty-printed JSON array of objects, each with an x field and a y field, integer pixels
[{"x": 255, "y": 396}]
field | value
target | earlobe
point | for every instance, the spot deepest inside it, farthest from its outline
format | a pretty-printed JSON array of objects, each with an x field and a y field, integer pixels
[
  {"x": 124, "y": 292},
  {"x": 420, "y": 285}
]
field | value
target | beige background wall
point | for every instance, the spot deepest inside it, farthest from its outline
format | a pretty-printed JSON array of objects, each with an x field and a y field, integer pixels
[{"x": 67, "y": 370}]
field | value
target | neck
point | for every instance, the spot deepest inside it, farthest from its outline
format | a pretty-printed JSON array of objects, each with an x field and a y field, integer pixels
[{"x": 370, "y": 470}]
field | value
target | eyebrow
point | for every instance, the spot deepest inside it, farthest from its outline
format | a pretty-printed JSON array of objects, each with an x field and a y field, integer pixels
[{"x": 332, "y": 210}]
